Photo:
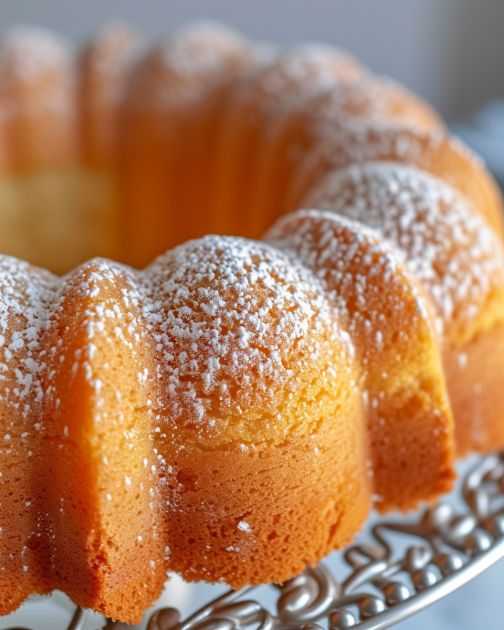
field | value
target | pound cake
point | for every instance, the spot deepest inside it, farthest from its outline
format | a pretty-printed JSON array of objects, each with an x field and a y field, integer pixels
[{"x": 231, "y": 408}]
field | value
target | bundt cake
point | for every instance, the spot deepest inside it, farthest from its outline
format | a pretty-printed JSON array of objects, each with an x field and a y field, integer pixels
[{"x": 232, "y": 408}]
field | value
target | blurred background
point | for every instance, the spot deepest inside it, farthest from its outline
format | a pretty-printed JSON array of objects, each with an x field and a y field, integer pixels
[{"x": 450, "y": 52}]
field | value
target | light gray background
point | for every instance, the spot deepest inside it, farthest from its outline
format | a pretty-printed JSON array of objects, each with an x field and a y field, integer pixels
[{"x": 448, "y": 50}]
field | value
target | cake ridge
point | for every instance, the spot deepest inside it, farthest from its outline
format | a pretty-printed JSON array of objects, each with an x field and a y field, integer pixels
[
  {"x": 28, "y": 50},
  {"x": 431, "y": 150},
  {"x": 228, "y": 265},
  {"x": 445, "y": 244}
]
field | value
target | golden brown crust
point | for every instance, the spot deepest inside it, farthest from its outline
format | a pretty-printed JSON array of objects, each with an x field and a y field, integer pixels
[
  {"x": 170, "y": 113},
  {"x": 408, "y": 416},
  {"x": 22, "y": 447},
  {"x": 447, "y": 246},
  {"x": 296, "y": 132},
  {"x": 104, "y": 66},
  {"x": 252, "y": 110},
  {"x": 100, "y": 508},
  {"x": 300, "y": 502},
  {"x": 432, "y": 151},
  {"x": 36, "y": 100},
  {"x": 459, "y": 262},
  {"x": 475, "y": 388}
]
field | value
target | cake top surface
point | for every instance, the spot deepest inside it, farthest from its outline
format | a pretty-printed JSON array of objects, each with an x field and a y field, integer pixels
[
  {"x": 25, "y": 309},
  {"x": 26, "y": 52},
  {"x": 445, "y": 244},
  {"x": 371, "y": 98},
  {"x": 186, "y": 65},
  {"x": 232, "y": 318},
  {"x": 231, "y": 321},
  {"x": 295, "y": 75},
  {"x": 362, "y": 274}
]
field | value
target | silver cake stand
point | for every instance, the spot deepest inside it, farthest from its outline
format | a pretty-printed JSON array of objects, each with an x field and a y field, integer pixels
[{"x": 399, "y": 567}]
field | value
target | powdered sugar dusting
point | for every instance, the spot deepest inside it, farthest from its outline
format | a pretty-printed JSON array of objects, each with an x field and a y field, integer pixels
[
  {"x": 26, "y": 301},
  {"x": 199, "y": 49},
  {"x": 358, "y": 141},
  {"x": 25, "y": 52},
  {"x": 445, "y": 244},
  {"x": 36, "y": 74},
  {"x": 299, "y": 74},
  {"x": 227, "y": 314},
  {"x": 97, "y": 311},
  {"x": 372, "y": 98},
  {"x": 186, "y": 67},
  {"x": 107, "y": 61},
  {"x": 227, "y": 325},
  {"x": 354, "y": 265},
  {"x": 231, "y": 322},
  {"x": 192, "y": 62}
]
